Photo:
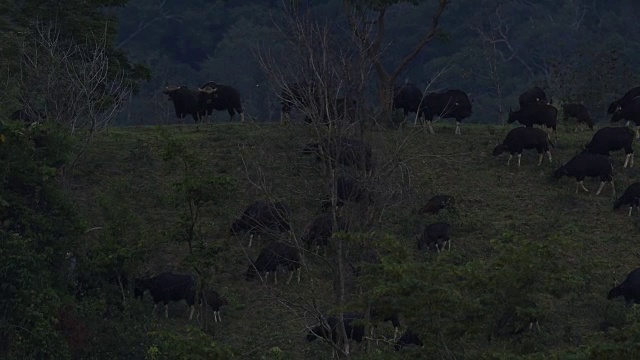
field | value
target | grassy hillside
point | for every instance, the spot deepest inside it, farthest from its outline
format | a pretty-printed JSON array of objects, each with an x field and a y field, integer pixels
[{"x": 125, "y": 186}]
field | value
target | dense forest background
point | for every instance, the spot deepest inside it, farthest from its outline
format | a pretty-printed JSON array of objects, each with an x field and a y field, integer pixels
[
  {"x": 578, "y": 50},
  {"x": 87, "y": 207}
]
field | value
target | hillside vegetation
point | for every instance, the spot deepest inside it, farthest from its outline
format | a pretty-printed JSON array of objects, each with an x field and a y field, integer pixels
[{"x": 517, "y": 234}]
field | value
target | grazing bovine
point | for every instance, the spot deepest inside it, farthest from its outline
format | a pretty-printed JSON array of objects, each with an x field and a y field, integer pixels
[
  {"x": 533, "y": 96},
  {"x": 437, "y": 203},
  {"x": 332, "y": 332},
  {"x": 610, "y": 139},
  {"x": 220, "y": 97},
  {"x": 587, "y": 164},
  {"x": 623, "y": 101},
  {"x": 535, "y": 114},
  {"x": 525, "y": 138},
  {"x": 380, "y": 316},
  {"x": 320, "y": 229},
  {"x": 168, "y": 287},
  {"x": 630, "y": 112},
  {"x": 448, "y": 104},
  {"x": 408, "y": 97},
  {"x": 185, "y": 102},
  {"x": 263, "y": 218},
  {"x": 273, "y": 255},
  {"x": 578, "y": 111},
  {"x": 345, "y": 151},
  {"x": 631, "y": 197},
  {"x": 215, "y": 301},
  {"x": 408, "y": 338},
  {"x": 298, "y": 95},
  {"x": 348, "y": 189},
  {"x": 630, "y": 288},
  {"x": 435, "y": 235}
]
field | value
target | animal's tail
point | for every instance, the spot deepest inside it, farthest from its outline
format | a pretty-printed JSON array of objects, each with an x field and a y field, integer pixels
[{"x": 618, "y": 203}]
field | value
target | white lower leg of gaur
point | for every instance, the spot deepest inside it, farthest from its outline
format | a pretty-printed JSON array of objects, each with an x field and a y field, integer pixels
[
  {"x": 600, "y": 188},
  {"x": 241, "y": 117},
  {"x": 581, "y": 184},
  {"x": 631, "y": 162},
  {"x": 630, "y": 209},
  {"x": 637, "y": 132},
  {"x": 299, "y": 271},
  {"x": 509, "y": 161},
  {"x": 613, "y": 188},
  {"x": 290, "y": 276},
  {"x": 519, "y": 157},
  {"x": 458, "y": 128},
  {"x": 626, "y": 160},
  {"x": 449, "y": 242},
  {"x": 250, "y": 239},
  {"x": 430, "y": 127},
  {"x": 549, "y": 155},
  {"x": 396, "y": 332},
  {"x": 191, "y": 312},
  {"x": 540, "y": 159}
]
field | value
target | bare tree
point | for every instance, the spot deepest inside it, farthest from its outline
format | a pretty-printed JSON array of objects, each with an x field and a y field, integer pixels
[
  {"x": 75, "y": 84},
  {"x": 324, "y": 76},
  {"x": 371, "y": 33}
]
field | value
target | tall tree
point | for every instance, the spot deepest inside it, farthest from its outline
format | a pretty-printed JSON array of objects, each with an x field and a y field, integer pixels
[{"x": 371, "y": 33}]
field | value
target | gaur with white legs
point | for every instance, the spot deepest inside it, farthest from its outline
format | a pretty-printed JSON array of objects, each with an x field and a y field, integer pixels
[
  {"x": 273, "y": 255},
  {"x": 586, "y": 164},
  {"x": 631, "y": 197},
  {"x": 525, "y": 138},
  {"x": 610, "y": 139}
]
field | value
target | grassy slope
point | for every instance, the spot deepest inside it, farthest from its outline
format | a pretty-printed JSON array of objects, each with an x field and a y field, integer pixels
[{"x": 125, "y": 164}]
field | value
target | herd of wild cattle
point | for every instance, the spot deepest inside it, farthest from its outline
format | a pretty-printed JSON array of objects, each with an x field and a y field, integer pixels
[{"x": 268, "y": 219}]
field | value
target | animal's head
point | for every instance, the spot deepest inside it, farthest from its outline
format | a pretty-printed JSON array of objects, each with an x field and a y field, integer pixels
[
  {"x": 236, "y": 227},
  {"x": 615, "y": 292},
  {"x": 513, "y": 116},
  {"x": 617, "y": 115},
  {"x": 499, "y": 149},
  {"x": 138, "y": 288},
  {"x": 589, "y": 121},
  {"x": 613, "y": 107},
  {"x": 560, "y": 172},
  {"x": 210, "y": 92},
  {"x": 251, "y": 273},
  {"x": 171, "y": 91}
]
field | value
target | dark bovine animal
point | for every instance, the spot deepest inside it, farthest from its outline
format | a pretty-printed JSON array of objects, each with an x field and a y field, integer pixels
[
  {"x": 168, "y": 287},
  {"x": 516, "y": 321},
  {"x": 435, "y": 235},
  {"x": 215, "y": 301},
  {"x": 408, "y": 97},
  {"x": 263, "y": 218},
  {"x": 525, "y": 138},
  {"x": 320, "y": 229},
  {"x": 220, "y": 97},
  {"x": 630, "y": 288},
  {"x": 623, "y": 101},
  {"x": 448, "y": 104},
  {"x": 273, "y": 255},
  {"x": 348, "y": 189},
  {"x": 185, "y": 102},
  {"x": 586, "y": 164},
  {"x": 578, "y": 111},
  {"x": 408, "y": 338},
  {"x": 354, "y": 332},
  {"x": 610, "y": 139},
  {"x": 391, "y": 316},
  {"x": 631, "y": 197},
  {"x": 350, "y": 152},
  {"x": 536, "y": 113},
  {"x": 297, "y": 95},
  {"x": 630, "y": 112},
  {"x": 533, "y": 96},
  {"x": 437, "y": 203}
]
